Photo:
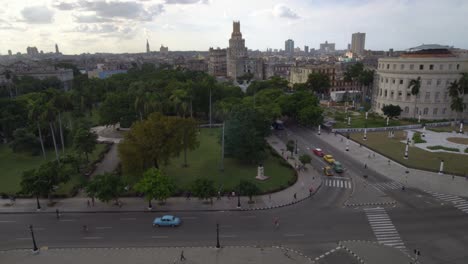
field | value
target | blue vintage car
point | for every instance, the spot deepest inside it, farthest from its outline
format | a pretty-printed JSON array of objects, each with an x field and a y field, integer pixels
[{"x": 167, "y": 220}]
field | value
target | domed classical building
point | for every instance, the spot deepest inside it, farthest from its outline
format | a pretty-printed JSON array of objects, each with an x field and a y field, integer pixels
[{"x": 437, "y": 67}]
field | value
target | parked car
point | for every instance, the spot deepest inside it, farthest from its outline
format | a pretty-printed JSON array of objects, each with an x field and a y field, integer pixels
[
  {"x": 338, "y": 167},
  {"x": 327, "y": 171},
  {"x": 318, "y": 152},
  {"x": 167, "y": 220},
  {"x": 329, "y": 159}
]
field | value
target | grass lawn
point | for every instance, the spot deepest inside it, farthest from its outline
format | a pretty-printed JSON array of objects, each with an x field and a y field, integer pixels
[
  {"x": 418, "y": 158},
  {"x": 205, "y": 162},
  {"x": 12, "y": 166},
  {"x": 458, "y": 140}
]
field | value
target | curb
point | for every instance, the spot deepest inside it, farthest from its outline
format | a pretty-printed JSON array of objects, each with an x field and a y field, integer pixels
[
  {"x": 326, "y": 254},
  {"x": 375, "y": 243},
  {"x": 292, "y": 250},
  {"x": 165, "y": 211},
  {"x": 351, "y": 252}
]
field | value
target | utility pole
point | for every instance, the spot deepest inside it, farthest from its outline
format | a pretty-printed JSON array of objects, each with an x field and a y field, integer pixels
[
  {"x": 222, "y": 150},
  {"x": 217, "y": 236},
  {"x": 210, "y": 107}
]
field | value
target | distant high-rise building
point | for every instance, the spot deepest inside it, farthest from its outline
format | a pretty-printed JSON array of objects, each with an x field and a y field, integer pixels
[
  {"x": 306, "y": 49},
  {"x": 349, "y": 46},
  {"x": 217, "y": 65},
  {"x": 32, "y": 51},
  {"x": 163, "y": 49},
  {"x": 147, "y": 46},
  {"x": 56, "y": 49},
  {"x": 358, "y": 43},
  {"x": 289, "y": 46},
  {"x": 327, "y": 47},
  {"x": 9, "y": 52}
]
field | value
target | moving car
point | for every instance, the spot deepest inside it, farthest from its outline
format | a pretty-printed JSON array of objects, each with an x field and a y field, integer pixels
[
  {"x": 338, "y": 167},
  {"x": 329, "y": 159},
  {"x": 167, "y": 220},
  {"x": 318, "y": 152},
  {"x": 327, "y": 171}
]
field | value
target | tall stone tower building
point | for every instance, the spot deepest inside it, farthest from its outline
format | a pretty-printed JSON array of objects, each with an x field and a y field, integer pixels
[
  {"x": 56, "y": 49},
  {"x": 147, "y": 47},
  {"x": 236, "y": 53}
]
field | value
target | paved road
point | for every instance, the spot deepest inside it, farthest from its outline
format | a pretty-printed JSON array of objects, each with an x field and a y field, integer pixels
[{"x": 418, "y": 220}]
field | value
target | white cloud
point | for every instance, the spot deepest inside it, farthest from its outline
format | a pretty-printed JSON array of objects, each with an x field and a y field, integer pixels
[
  {"x": 283, "y": 11},
  {"x": 186, "y": 2},
  {"x": 37, "y": 15}
]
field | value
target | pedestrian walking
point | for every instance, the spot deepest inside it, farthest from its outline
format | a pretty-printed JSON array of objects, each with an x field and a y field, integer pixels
[
  {"x": 388, "y": 162},
  {"x": 310, "y": 191},
  {"x": 365, "y": 166},
  {"x": 57, "y": 213},
  {"x": 219, "y": 195},
  {"x": 295, "y": 196},
  {"x": 182, "y": 257},
  {"x": 89, "y": 204}
]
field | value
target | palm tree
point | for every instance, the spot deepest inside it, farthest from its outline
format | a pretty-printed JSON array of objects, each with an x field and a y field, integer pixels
[
  {"x": 35, "y": 109},
  {"x": 50, "y": 114},
  {"x": 62, "y": 102},
  {"x": 179, "y": 100},
  {"x": 457, "y": 90},
  {"x": 415, "y": 86}
]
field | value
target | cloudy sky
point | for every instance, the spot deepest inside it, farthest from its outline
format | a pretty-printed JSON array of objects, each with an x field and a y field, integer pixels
[{"x": 123, "y": 25}]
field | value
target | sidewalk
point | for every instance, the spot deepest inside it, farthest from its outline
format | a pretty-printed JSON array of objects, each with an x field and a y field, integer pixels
[
  {"x": 419, "y": 179},
  {"x": 285, "y": 197},
  {"x": 166, "y": 255},
  {"x": 372, "y": 252}
]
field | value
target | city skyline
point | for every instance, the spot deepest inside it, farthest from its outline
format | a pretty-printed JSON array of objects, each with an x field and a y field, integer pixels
[{"x": 80, "y": 26}]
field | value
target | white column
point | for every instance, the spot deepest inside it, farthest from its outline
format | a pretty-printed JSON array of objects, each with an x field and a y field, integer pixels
[
  {"x": 387, "y": 120},
  {"x": 365, "y": 134},
  {"x": 461, "y": 127},
  {"x": 406, "y": 150},
  {"x": 367, "y": 113},
  {"x": 349, "y": 120},
  {"x": 424, "y": 131},
  {"x": 319, "y": 129},
  {"x": 441, "y": 169},
  {"x": 419, "y": 118}
]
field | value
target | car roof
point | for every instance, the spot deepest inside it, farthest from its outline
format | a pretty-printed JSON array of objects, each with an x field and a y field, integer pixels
[
  {"x": 328, "y": 155},
  {"x": 318, "y": 149},
  {"x": 337, "y": 163},
  {"x": 167, "y": 216}
]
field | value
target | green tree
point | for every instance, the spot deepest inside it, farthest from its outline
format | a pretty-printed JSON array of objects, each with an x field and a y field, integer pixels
[
  {"x": 391, "y": 111},
  {"x": 415, "y": 86},
  {"x": 249, "y": 189},
  {"x": 305, "y": 159},
  {"x": 84, "y": 141},
  {"x": 245, "y": 133},
  {"x": 105, "y": 187},
  {"x": 152, "y": 142},
  {"x": 204, "y": 188},
  {"x": 189, "y": 130},
  {"x": 115, "y": 107},
  {"x": 155, "y": 185},
  {"x": 457, "y": 91},
  {"x": 43, "y": 181},
  {"x": 24, "y": 141},
  {"x": 35, "y": 107},
  {"x": 318, "y": 83},
  {"x": 310, "y": 115}
]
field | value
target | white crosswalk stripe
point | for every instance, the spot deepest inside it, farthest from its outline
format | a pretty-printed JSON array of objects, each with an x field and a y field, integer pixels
[
  {"x": 457, "y": 201},
  {"x": 338, "y": 183},
  {"x": 390, "y": 185},
  {"x": 383, "y": 228}
]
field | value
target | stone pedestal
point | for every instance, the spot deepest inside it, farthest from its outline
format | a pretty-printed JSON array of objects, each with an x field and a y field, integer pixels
[{"x": 261, "y": 173}]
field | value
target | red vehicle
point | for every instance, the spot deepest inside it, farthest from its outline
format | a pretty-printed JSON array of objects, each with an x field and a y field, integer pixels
[{"x": 318, "y": 152}]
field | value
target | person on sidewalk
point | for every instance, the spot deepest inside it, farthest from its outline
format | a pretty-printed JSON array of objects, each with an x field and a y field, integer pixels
[
  {"x": 182, "y": 257},
  {"x": 365, "y": 166},
  {"x": 310, "y": 191},
  {"x": 295, "y": 196}
]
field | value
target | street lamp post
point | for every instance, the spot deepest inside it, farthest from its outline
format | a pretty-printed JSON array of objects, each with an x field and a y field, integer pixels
[
  {"x": 406, "y": 150},
  {"x": 238, "y": 198},
  {"x": 441, "y": 169},
  {"x": 347, "y": 144},
  {"x": 217, "y": 236},
  {"x": 35, "y": 249},
  {"x": 37, "y": 202},
  {"x": 296, "y": 147},
  {"x": 461, "y": 127},
  {"x": 319, "y": 129},
  {"x": 365, "y": 134}
]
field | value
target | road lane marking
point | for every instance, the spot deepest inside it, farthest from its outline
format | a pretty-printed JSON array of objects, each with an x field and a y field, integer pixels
[
  {"x": 95, "y": 237},
  {"x": 128, "y": 218},
  {"x": 159, "y": 237},
  {"x": 227, "y": 236},
  {"x": 294, "y": 235},
  {"x": 103, "y": 227},
  {"x": 7, "y": 221}
]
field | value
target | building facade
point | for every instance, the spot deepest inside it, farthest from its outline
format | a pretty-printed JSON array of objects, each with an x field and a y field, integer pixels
[
  {"x": 358, "y": 43},
  {"x": 217, "y": 65},
  {"x": 289, "y": 47},
  {"x": 327, "y": 47},
  {"x": 437, "y": 67}
]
